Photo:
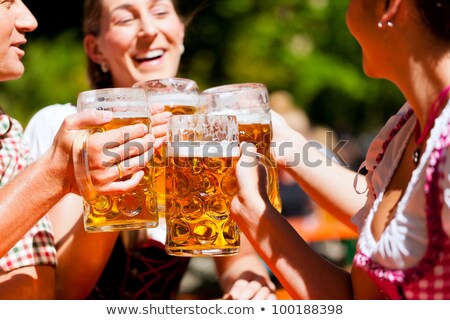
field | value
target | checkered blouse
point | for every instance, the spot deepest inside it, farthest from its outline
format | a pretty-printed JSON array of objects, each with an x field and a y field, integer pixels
[{"x": 37, "y": 246}]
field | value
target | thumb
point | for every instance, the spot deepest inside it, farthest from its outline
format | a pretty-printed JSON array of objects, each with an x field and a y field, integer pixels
[
  {"x": 87, "y": 118},
  {"x": 251, "y": 172}
]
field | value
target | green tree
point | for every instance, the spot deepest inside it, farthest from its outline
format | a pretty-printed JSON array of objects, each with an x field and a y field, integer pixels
[
  {"x": 302, "y": 46},
  {"x": 55, "y": 73}
]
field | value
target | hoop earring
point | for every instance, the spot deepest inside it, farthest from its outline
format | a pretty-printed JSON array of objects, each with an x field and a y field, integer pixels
[{"x": 104, "y": 67}]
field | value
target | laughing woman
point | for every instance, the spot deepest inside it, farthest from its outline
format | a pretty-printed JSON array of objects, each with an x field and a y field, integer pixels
[{"x": 129, "y": 41}]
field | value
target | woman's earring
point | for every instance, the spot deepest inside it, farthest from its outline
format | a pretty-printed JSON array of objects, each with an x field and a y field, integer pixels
[
  {"x": 104, "y": 67},
  {"x": 181, "y": 48},
  {"x": 389, "y": 24}
]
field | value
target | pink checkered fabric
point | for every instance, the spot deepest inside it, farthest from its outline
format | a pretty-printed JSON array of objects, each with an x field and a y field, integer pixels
[
  {"x": 430, "y": 278},
  {"x": 435, "y": 284},
  {"x": 421, "y": 284},
  {"x": 37, "y": 245}
]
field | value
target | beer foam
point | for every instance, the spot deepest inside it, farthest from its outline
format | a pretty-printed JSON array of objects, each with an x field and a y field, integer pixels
[
  {"x": 116, "y": 106},
  {"x": 130, "y": 115},
  {"x": 173, "y": 99},
  {"x": 245, "y": 118},
  {"x": 204, "y": 149}
]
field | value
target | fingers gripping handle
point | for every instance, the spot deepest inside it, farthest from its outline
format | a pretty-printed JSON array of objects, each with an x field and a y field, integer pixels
[
  {"x": 82, "y": 174},
  {"x": 271, "y": 171}
]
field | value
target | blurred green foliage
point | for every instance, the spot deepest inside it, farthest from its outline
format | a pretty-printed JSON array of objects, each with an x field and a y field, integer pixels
[
  {"x": 54, "y": 73},
  {"x": 302, "y": 46}
]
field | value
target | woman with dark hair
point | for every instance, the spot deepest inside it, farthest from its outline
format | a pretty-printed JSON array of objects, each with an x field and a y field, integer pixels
[
  {"x": 129, "y": 41},
  {"x": 403, "y": 216}
]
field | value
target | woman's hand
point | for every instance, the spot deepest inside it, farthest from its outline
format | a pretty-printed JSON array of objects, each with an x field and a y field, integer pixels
[
  {"x": 251, "y": 199},
  {"x": 251, "y": 286},
  {"x": 283, "y": 139},
  {"x": 160, "y": 122}
]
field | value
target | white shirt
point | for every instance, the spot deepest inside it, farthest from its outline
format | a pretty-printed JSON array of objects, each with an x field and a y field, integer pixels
[{"x": 404, "y": 241}]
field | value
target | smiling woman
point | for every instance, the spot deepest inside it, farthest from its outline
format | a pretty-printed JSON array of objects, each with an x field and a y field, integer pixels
[{"x": 137, "y": 40}]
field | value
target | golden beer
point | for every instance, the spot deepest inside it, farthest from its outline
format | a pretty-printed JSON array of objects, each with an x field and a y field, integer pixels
[
  {"x": 177, "y": 109},
  {"x": 199, "y": 191},
  {"x": 260, "y": 134},
  {"x": 178, "y": 96},
  {"x": 160, "y": 158},
  {"x": 133, "y": 210},
  {"x": 249, "y": 102}
]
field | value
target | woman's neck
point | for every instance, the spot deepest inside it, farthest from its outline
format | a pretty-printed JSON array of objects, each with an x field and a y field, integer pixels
[{"x": 425, "y": 83}]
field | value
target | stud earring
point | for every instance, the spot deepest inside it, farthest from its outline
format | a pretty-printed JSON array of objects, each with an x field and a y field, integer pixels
[
  {"x": 104, "y": 67},
  {"x": 182, "y": 48},
  {"x": 389, "y": 24}
]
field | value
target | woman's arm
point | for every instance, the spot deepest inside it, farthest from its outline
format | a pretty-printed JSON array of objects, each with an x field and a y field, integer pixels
[
  {"x": 301, "y": 271},
  {"x": 82, "y": 256},
  {"x": 329, "y": 184},
  {"x": 28, "y": 283}
]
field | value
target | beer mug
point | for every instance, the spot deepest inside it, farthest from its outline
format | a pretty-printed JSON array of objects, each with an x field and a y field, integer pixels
[
  {"x": 202, "y": 154},
  {"x": 137, "y": 208},
  {"x": 179, "y": 96},
  {"x": 249, "y": 102}
]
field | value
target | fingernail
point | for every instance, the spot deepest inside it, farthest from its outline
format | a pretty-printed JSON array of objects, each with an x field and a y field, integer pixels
[
  {"x": 167, "y": 115},
  {"x": 158, "y": 108},
  {"x": 107, "y": 115}
]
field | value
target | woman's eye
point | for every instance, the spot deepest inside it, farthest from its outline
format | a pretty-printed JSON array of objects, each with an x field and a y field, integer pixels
[
  {"x": 122, "y": 18},
  {"x": 125, "y": 20},
  {"x": 160, "y": 11}
]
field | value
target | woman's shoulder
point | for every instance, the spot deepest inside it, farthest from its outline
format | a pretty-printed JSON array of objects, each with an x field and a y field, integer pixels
[
  {"x": 55, "y": 111},
  {"x": 44, "y": 125},
  {"x": 50, "y": 117},
  {"x": 391, "y": 129}
]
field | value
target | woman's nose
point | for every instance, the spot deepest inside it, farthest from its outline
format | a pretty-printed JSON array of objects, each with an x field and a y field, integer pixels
[{"x": 148, "y": 28}]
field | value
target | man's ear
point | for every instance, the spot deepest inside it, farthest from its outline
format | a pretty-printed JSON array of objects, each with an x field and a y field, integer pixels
[
  {"x": 92, "y": 49},
  {"x": 390, "y": 11}
]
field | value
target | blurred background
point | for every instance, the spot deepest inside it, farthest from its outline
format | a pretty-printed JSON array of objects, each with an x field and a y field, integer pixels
[
  {"x": 301, "y": 49},
  {"x": 300, "y": 46}
]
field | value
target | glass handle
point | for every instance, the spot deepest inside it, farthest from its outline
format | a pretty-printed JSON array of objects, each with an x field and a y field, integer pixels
[
  {"x": 82, "y": 175},
  {"x": 271, "y": 170}
]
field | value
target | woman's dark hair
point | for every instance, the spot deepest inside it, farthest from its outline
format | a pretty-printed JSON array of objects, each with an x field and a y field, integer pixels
[
  {"x": 436, "y": 14},
  {"x": 92, "y": 17}
]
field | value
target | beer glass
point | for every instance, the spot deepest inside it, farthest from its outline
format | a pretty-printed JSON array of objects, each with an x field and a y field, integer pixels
[
  {"x": 137, "y": 208},
  {"x": 249, "y": 102},
  {"x": 202, "y": 154},
  {"x": 179, "y": 96}
]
